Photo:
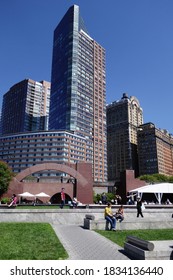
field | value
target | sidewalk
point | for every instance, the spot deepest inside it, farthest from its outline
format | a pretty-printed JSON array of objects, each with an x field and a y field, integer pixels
[{"x": 83, "y": 244}]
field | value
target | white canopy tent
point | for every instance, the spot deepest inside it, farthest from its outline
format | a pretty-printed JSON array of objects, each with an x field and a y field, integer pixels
[
  {"x": 157, "y": 189},
  {"x": 26, "y": 194},
  {"x": 42, "y": 194},
  {"x": 34, "y": 196}
]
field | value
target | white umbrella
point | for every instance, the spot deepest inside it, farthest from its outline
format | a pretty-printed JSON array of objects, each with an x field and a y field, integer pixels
[
  {"x": 26, "y": 194},
  {"x": 42, "y": 194}
]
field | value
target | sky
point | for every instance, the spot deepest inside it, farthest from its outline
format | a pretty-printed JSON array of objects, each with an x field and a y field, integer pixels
[{"x": 136, "y": 34}]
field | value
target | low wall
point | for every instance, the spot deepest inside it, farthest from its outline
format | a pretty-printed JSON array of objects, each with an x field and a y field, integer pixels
[
  {"x": 76, "y": 216},
  {"x": 130, "y": 224}
]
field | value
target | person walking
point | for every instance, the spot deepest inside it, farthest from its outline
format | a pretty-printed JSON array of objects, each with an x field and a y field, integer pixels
[
  {"x": 109, "y": 216},
  {"x": 62, "y": 198},
  {"x": 104, "y": 198},
  {"x": 139, "y": 207}
]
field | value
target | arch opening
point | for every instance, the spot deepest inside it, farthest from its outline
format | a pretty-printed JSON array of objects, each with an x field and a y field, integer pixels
[{"x": 56, "y": 198}]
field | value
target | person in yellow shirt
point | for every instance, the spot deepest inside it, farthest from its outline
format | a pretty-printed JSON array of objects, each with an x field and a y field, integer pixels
[{"x": 109, "y": 216}]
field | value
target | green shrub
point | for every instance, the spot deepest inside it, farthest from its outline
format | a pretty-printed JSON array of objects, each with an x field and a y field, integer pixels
[
  {"x": 98, "y": 197},
  {"x": 5, "y": 200},
  {"x": 5, "y": 177}
]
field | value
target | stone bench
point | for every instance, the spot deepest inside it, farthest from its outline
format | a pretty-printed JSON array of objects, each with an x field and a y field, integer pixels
[
  {"x": 140, "y": 249},
  {"x": 137, "y": 248},
  {"x": 143, "y": 244},
  {"x": 91, "y": 223}
]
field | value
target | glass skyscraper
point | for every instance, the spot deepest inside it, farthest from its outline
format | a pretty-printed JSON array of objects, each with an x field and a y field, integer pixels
[
  {"x": 78, "y": 94},
  {"x": 25, "y": 107}
]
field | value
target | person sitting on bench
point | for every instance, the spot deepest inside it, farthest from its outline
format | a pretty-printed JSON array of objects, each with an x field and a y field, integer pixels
[
  {"x": 109, "y": 216},
  {"x": 120, "y": 214}
]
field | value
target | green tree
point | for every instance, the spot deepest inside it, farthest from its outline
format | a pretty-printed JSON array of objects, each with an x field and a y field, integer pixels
[
  {"x": 110, "y": 196},
  {"x": 156, "y": 178},
  {"x": 97, "y": 197},
  {"x": 5, "y": 177}
]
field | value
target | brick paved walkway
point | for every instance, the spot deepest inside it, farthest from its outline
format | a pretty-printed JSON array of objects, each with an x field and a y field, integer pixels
[{"x": 82, "y": 244}]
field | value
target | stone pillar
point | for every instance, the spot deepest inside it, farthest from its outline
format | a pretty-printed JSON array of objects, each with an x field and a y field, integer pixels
[{"x": 84, "y": 191}]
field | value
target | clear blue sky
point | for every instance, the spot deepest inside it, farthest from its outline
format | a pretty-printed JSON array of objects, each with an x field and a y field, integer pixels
[{"x": 137, "y": 36}]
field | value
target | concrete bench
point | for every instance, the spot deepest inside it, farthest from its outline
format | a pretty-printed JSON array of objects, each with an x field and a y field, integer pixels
[
  {"x": 91, "y": 223},
  {"x": 89, "y": 220},
  {"x": 140, "y": 249},
  {"x": 143, "y": 244},
  {"x": 89, "y": 217},
  {"x": 137, "y": 248}
]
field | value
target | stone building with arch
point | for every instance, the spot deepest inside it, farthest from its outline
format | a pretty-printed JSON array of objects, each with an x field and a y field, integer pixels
[{"x": 80, "y": 185}]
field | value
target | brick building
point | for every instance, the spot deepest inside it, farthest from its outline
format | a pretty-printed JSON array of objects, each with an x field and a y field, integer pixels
[{"x": 155, "y": 150}]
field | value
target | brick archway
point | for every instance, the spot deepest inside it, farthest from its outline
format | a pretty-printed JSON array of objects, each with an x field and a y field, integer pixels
[
  {"x": 52, "y": 166},
  {"x": 82, "y": 172}
]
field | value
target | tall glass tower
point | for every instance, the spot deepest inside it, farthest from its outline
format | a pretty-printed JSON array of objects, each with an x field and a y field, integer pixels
[
  {"x": 25, "y": 107},
  {"x": 78, "y": 95}
]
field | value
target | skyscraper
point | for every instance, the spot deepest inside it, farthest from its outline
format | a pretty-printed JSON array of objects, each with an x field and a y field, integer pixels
[
  {"x": 123, "y": 118},
  {"x": 26, "y": 107},
  {"x": 78, "y": 91},
  {"x": 0, "y": 124},
  {"x": 155, "y": 150}
]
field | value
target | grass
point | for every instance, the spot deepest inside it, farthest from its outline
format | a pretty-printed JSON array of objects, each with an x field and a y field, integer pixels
[
  {"x": 30, "y": 241},
  {"x": 38, "y": 241},
  {"x": 119, "y": 237}
]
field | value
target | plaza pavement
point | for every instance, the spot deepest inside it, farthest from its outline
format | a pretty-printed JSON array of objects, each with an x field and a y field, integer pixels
[{"x": 83, "y": 244}]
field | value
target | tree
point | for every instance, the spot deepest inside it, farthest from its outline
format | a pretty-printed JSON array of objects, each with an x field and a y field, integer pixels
[
  {"x": 98, "y": 197},
  {"x": 156, "y": 178},
  {"x": 5, "y": 177}
]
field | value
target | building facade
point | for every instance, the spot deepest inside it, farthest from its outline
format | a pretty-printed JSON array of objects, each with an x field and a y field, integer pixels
[
  {"x": 78, "y": 88},
  {"x": 25, "y": 107},
  {"x": 123, "y": 118},
  {"x": 155, "y": 150},
  {"x": 0, "y": 124},
  {"x": 24, "y": 150}
]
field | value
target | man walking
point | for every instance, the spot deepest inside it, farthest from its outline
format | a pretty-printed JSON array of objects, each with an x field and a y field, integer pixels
[{"x": 62, "y": 198}]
